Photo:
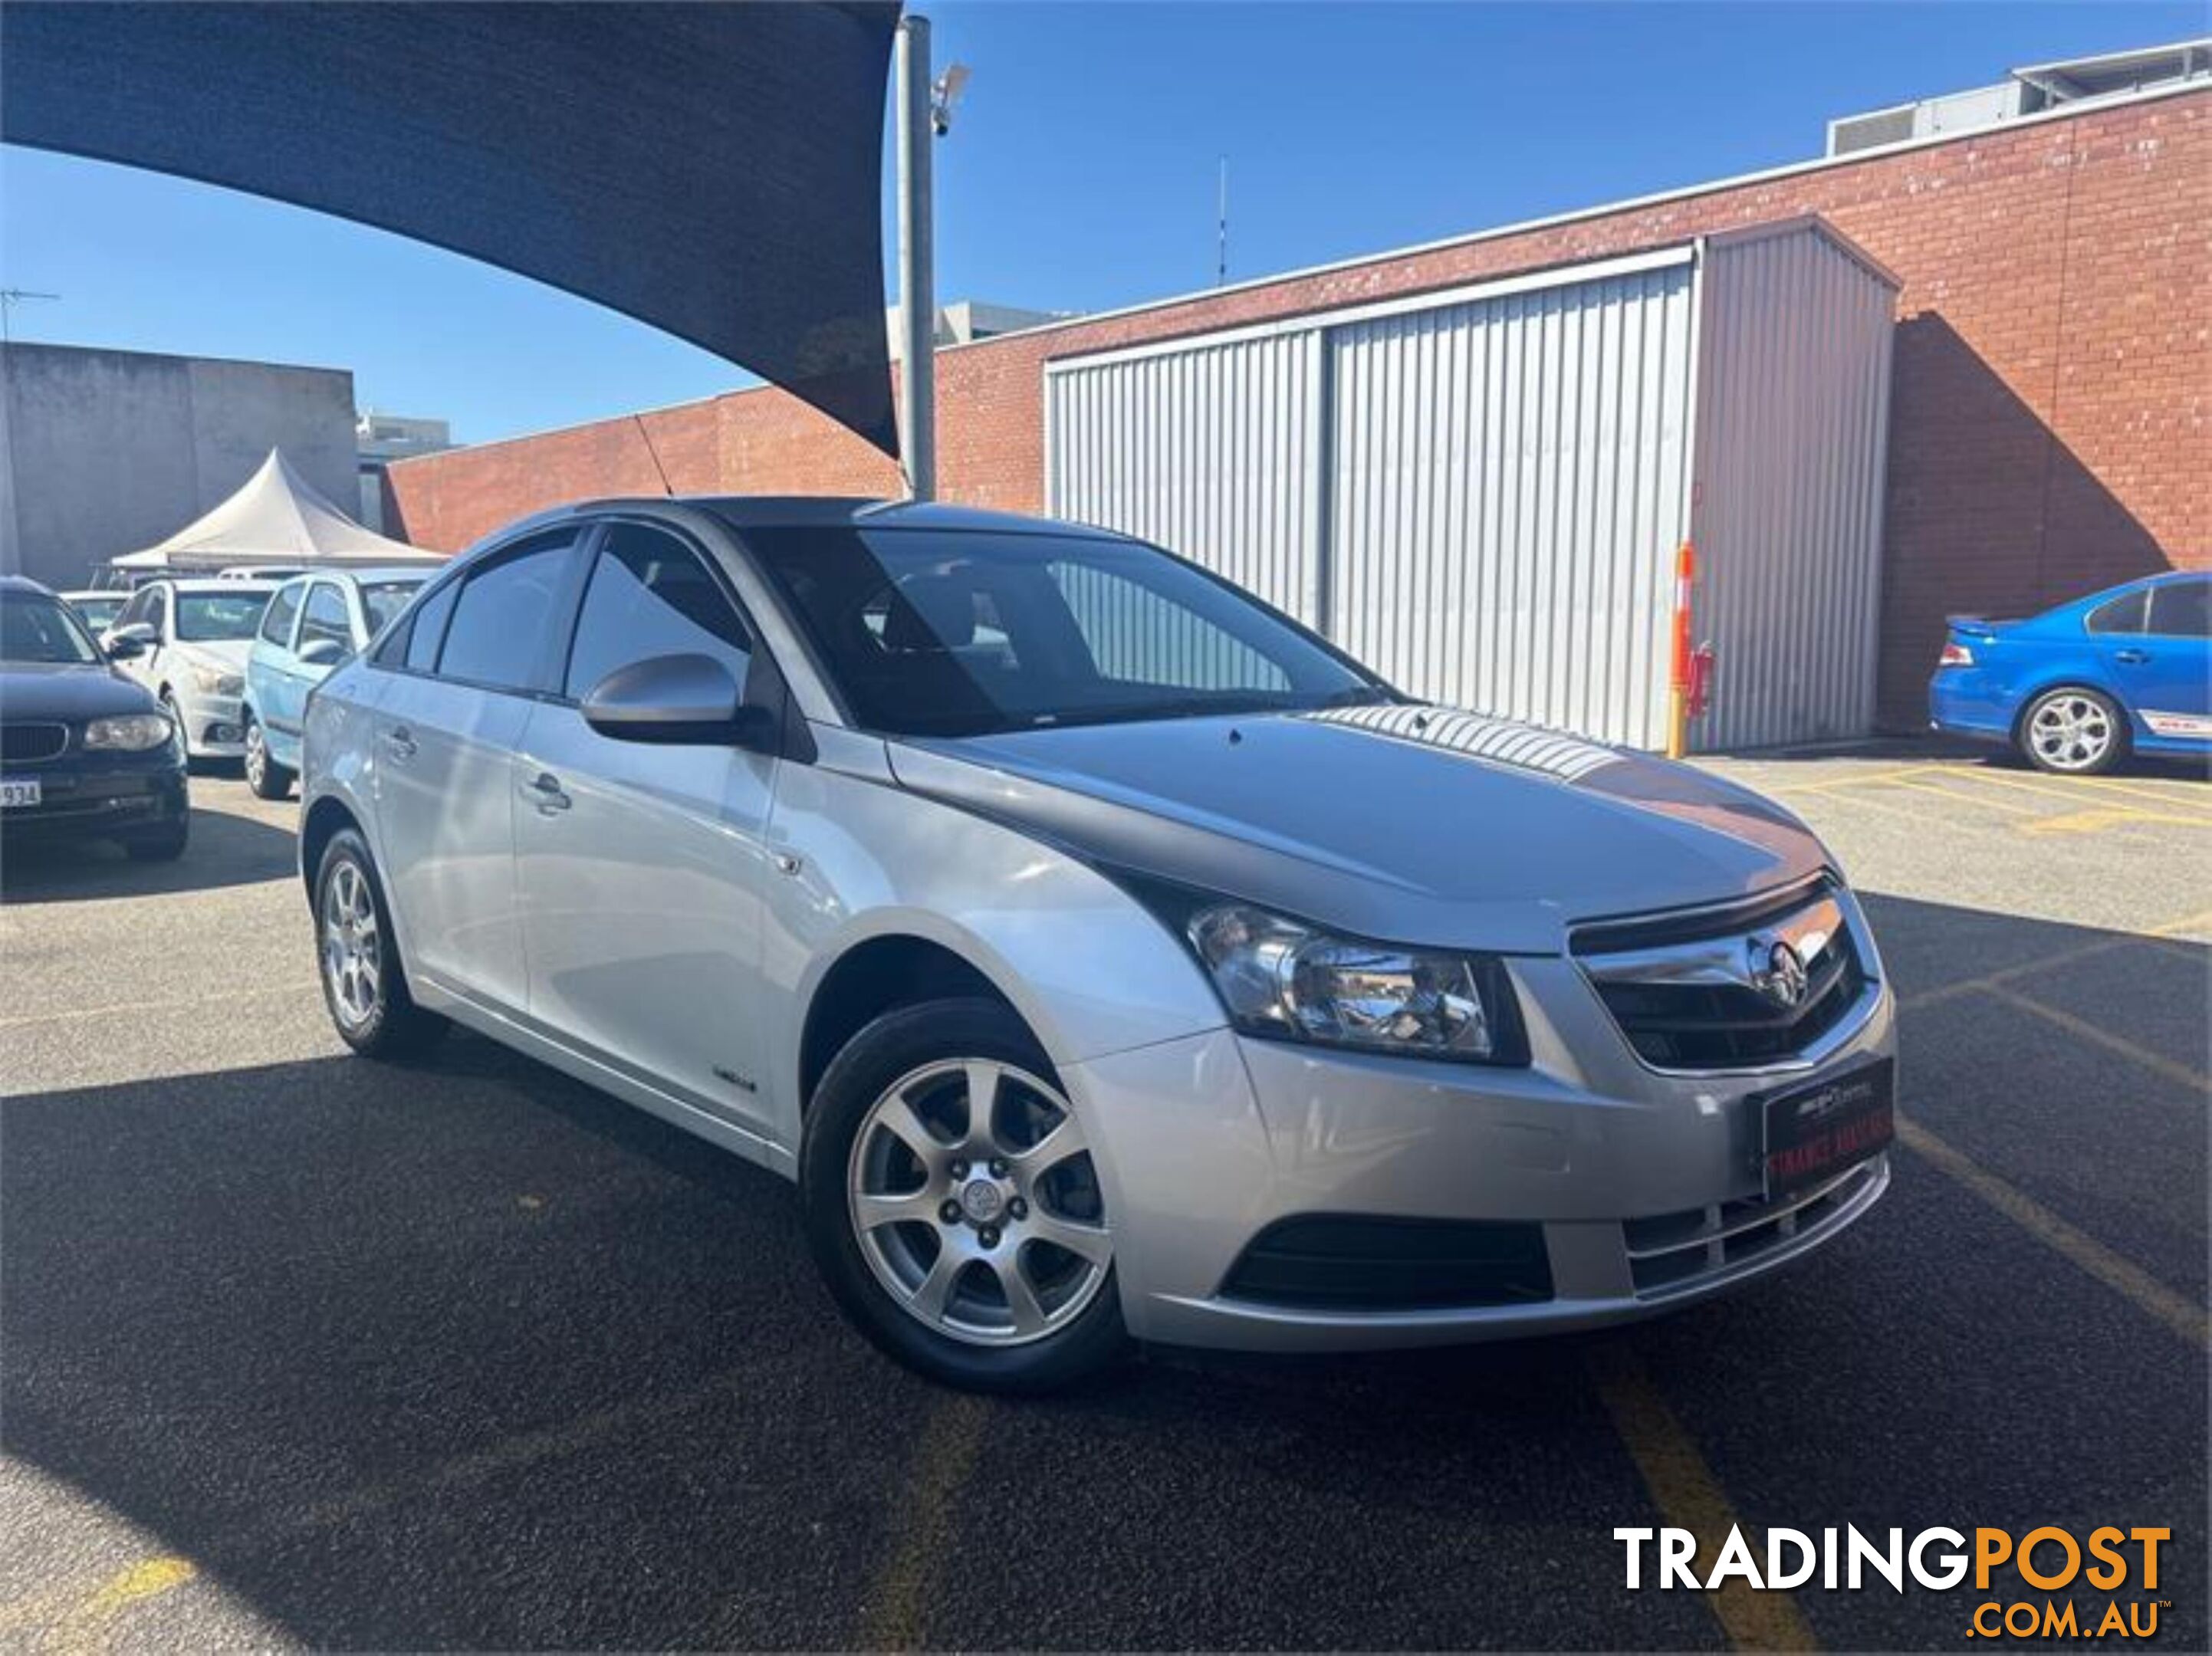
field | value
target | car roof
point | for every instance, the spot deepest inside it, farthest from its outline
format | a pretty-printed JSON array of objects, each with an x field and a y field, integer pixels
[
  {"x": 24, "y": 583},
  {"x": 216, "y": 583},
  {"x": 743, "y": 512},
  {"x": 381, "y": 573}
]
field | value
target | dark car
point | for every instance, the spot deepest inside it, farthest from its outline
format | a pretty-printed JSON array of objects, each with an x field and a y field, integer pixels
[{"x": 84, "y": 753}]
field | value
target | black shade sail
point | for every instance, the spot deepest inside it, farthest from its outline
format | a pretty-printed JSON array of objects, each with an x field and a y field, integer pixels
[{"x": 713, "y": 170}]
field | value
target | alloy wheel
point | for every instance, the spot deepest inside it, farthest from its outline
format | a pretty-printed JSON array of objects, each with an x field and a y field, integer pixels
[
  {"x": 975, "y": 1203},
  {"x": 2071, "y": 732},
  {"x": 353, "y": 957},
  {"x": 257, "y": 755}
]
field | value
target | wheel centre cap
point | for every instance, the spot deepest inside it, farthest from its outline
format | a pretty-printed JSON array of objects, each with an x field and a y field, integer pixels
[{"x": 983, "y": 1201}]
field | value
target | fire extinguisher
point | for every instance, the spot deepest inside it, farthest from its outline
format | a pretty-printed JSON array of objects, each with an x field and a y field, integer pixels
[{"x": 1701, "y": 680}]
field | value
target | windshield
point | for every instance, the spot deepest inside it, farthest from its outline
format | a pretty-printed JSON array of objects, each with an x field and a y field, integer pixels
[
  {"x": 209, "y": 617},
  {"x": 34, "y": 627},
  {"x": 949, "y": 634},
  {"x": 382, "y": 599},
  {"x": 97, "y": 612}
]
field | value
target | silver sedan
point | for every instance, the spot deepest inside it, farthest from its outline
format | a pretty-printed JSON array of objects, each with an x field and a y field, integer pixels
[{"x": 1107, "y": 957}]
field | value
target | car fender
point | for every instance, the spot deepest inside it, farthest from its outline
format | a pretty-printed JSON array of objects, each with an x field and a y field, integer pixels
[
  {"x": 338, "y": 764},
  {"x": 1085, "y": 965}
]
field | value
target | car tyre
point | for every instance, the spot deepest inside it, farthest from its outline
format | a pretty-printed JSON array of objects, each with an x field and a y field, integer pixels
[
  {"x": 970, "y": 1250},
  {"x": 263, "y": 775},
  {"x": 162, "y": 845},
  {"x": 2072, "y": 730},
  {"x": 364, "y": 986}
]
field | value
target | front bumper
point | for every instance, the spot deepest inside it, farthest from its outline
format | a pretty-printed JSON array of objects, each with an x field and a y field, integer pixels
[
  {"x": 214, "y": 724},
  {"x": 1645, "y": 1186},
  {"x": 93, "y": 804}
]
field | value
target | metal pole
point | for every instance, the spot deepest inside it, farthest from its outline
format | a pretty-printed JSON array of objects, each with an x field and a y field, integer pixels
[{"x": 917, "y": 277}]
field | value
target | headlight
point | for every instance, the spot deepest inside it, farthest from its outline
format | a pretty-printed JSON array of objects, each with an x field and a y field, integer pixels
[
  {"x": 130, "y": 733},
  {"x": 216, "y": 681},
  {"x": 1283, "y": 979}
]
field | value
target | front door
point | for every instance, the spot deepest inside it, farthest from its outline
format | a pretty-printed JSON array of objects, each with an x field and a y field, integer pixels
[
  {"x": 640, "y": 864},
  {"x": 447, "y": 735}
]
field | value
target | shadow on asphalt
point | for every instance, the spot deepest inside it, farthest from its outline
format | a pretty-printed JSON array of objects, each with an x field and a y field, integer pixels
[
  {"x": 465, "y": 1353},
  {"x": 225, "y": 850}
]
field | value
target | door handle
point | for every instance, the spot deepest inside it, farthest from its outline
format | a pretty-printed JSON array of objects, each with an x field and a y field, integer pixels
[
  {"x": 401, "y": 741},
  {"x": 545, "y": 793},
  {"x": 2132, "y": 658}
]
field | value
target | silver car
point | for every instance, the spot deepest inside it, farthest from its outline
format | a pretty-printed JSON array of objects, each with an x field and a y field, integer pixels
[{"x": 1106, "y": 956}]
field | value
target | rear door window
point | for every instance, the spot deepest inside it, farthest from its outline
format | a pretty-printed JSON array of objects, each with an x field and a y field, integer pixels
[
  {"x": 497, "y": 635},
  {"x": 2123, "y": 614}
]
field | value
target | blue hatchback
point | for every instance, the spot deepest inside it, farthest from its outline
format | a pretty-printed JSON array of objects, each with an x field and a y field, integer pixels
[
  {"x": 2078, "y": 687},
  {"x": 313, "y": 623}
]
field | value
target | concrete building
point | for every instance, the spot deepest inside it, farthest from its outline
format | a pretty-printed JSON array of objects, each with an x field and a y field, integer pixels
[
  {"x": 2051, "y": 408},
  {"x": 103, "y": 452},
  {"x": 965, "y": 321},
  {"x": 380, "y": 439}
]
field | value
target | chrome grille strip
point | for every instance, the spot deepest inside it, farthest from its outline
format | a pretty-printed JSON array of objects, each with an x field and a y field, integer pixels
[{"x": 1715, "y": 1230}]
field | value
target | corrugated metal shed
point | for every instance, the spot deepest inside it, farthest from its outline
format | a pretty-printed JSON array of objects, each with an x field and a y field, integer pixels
[{"x": 1480, "y": 492}]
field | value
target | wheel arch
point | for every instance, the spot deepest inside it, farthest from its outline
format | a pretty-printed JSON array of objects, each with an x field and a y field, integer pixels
[
  {"x": 321, "y": 823},
  {"x": 880, "y": 973},
  {"x": 2049, "y": 683}
]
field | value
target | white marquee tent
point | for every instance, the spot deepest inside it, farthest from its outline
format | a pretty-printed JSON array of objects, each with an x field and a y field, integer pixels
[{"x": 276, "y": 518}]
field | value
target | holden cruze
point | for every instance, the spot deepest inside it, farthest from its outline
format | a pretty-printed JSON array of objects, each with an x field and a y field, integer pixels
[{"x": 1105, "y": 956}]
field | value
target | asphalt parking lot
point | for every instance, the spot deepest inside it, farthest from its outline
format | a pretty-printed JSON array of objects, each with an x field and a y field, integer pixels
[{"x": 297, "y": 1349}]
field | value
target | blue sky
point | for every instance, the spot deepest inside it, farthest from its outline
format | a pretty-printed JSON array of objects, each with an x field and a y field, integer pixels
[{"x": 1080, "y": 175}]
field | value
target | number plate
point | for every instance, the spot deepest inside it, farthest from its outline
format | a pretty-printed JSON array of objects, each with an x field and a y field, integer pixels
[
  {"x": 1815, "y": 1131},
  {"x": 15, "y": 794}
]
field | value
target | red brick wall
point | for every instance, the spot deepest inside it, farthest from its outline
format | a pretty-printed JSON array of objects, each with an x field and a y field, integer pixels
[{"x": 2049, "y": 428}]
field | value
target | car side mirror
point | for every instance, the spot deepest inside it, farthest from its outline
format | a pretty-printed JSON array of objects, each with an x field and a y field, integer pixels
[
  {"x": 125, "y": 643},
  {"x": 690, "y": 699},
  {"x": 322, "y": 653}
]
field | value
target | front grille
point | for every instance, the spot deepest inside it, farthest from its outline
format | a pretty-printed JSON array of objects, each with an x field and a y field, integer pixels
[
  {"x": 24, "y": 742},
  {"x": 1687, "y": 992},
  {"x": 1673, "y": 1252},
  {"x": 1350, "y": 1263}
]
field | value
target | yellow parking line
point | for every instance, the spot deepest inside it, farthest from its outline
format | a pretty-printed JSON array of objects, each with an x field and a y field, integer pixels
[
  {"x": 943, "y": 1463},
  {"x": 2098, "y": 818},
  {"x": 1833, "y": 783},
  {"x": 2163, "y": 937},
  {"x": 2183, "y": 1316},
  {"x": 2069, "y": 788},
  {"x": 2082, "y": 1030},
  {"x": 1930, "y": 786},
  {"x": 1688, "y": 1496},
  {"x": 71, "y": 1623},
  {"x": 2191, "y": 801}
]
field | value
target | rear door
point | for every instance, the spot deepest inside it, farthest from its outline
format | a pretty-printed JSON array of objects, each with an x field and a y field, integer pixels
[
  {"x": 447, "y": 730},
  {"x": 2171, "y": 683},
  {"x": 640, "y": 864}
]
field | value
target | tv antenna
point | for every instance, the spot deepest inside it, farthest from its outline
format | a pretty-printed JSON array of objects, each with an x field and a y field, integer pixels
[
  {"x": 10, "y": 299},
  {"x": 1221, "y": 228}
]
